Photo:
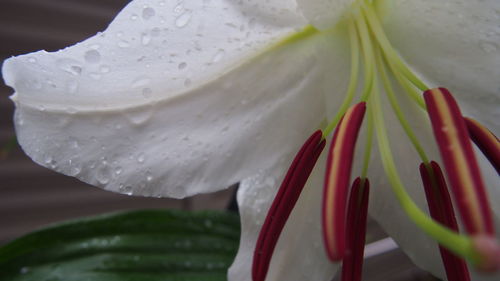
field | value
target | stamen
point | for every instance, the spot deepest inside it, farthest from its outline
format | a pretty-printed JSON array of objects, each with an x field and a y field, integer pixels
[
  {"x": 486, "y": 141},
  {"x": 283, "y": 203},
  {"x": 338, "y": 171},
  {"x": 461, "y": 166},
  {"x": 459, "y": 244},
  {"x": 441, "y": 209},
  {"x": 352, "y": 263}
]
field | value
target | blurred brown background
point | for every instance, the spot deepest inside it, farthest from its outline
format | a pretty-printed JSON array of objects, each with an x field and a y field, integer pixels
[{"x": 32, "y": 196}]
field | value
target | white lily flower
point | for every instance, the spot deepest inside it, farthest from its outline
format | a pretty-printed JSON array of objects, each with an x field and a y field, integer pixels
[{"x": 177, "y": 98}]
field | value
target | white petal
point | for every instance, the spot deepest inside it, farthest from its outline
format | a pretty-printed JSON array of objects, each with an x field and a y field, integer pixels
[
  {"x": 151, "y": 51},
  {"x": 299, "y": 254},
  {"x": 324, "y": 14},
  {"x": 454, "y": 44},
  {"x": 203, "y": 140}
]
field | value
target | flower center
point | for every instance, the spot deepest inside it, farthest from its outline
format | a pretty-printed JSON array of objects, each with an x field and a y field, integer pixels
[{"x": 382, "y": 67}]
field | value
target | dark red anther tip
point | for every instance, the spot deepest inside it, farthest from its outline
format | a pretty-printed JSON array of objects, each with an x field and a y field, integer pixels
[
  {"x": 352, "y": 264},
  {"x": 487, "y": 142},
  {"x": 441, "y": 209},
  {"x": 288, "y": 194},
  {"x": 338, "y": 172},
  {"x": 461, "y": 167}
]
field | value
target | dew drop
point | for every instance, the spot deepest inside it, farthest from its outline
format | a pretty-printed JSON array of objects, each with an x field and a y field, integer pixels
[
  {"x": 123, "y": 44},
  {"x": 48, "y": 159},
  {"x": 103, "y": 174},
  {"x": 182, "y": 65},
  {"x": 149, "y": 176},
  {"x": 95, "y": 75},
  {"x": 118, "y": 170},
  {"x": 141, "y": 158},
  {"x": 138, "y": 116},
  {"x": 134, "y": 17},
  {"x": 75, "y": 171},
  {"x": 178, "y": 9},
  {"x": 92, "y": 56},
  {"x": 72, "y": 86},
  {"x": 187, "y": 82},
  {"x": 32, "y": 60},
  {"x": 155, "y": 31},
  {"x": 147, "y": 92},
  {"x": 105, "y": 69},
  {"x": 183, "y": 19},
  {"x": 148, "y": 13},
  {"x": 488, "y": 46},
  {"x": 218, "y": 56},
  {"x": 145, "y": 39},
  {"x": 70, "y": 66},
  {"x": 140, "y": 82},
  {"x": 126, "y": 189}
]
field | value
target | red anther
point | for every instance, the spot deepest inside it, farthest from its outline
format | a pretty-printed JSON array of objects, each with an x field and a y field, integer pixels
[
  {"x": 283, "y": 203},
  {"x": 352, "y": 264},
  {"x": 338, "y": 172},
  {"x": 486, "y": 141},
  {"x": 460, "y": 163},
  {"x": 441, "y": 209}
]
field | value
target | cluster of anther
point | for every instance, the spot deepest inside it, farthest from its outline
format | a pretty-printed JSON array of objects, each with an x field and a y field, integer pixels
[{"x": 345, "y": 210}]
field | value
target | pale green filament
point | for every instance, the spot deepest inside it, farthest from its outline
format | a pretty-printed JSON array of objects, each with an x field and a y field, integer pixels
[
  {"x": 366, "y": 46},
  {"x": 353, "y": 80},
  {"x": 397, "y": 111},
  {"x": 387, "y": 49},
  {"x": 459, "y": 244}
]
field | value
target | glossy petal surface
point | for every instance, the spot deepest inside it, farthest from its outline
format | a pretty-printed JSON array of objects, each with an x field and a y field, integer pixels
[{"x": 172, "y": 144}]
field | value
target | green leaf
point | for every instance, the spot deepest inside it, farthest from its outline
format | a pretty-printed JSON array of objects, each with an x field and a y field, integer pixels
[{"x": 150, "y": 245}]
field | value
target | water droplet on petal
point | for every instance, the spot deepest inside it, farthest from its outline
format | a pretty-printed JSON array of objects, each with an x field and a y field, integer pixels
[
  {"x": 182, "y": 65},
  {"x": 70, "y": 66},
  {"x": 103, "y": 174},
  {"x": 105, "y": 69},
  {"x": 123, "y": 44},
  {"x": 118, "y": 170},
  {"x": 218, "y": 56},
  {"x": 183, "y": 19},
  {"x": 92, "y": 56},
  {"x": 72, "y": 86},
  {"x": 147, "y": 92},
  {"x": 488, "y": 46},
  {"x": 141, "y": 158},
  {"x": 148, "y": 13},
  {"x": 145, "y": 39}
]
